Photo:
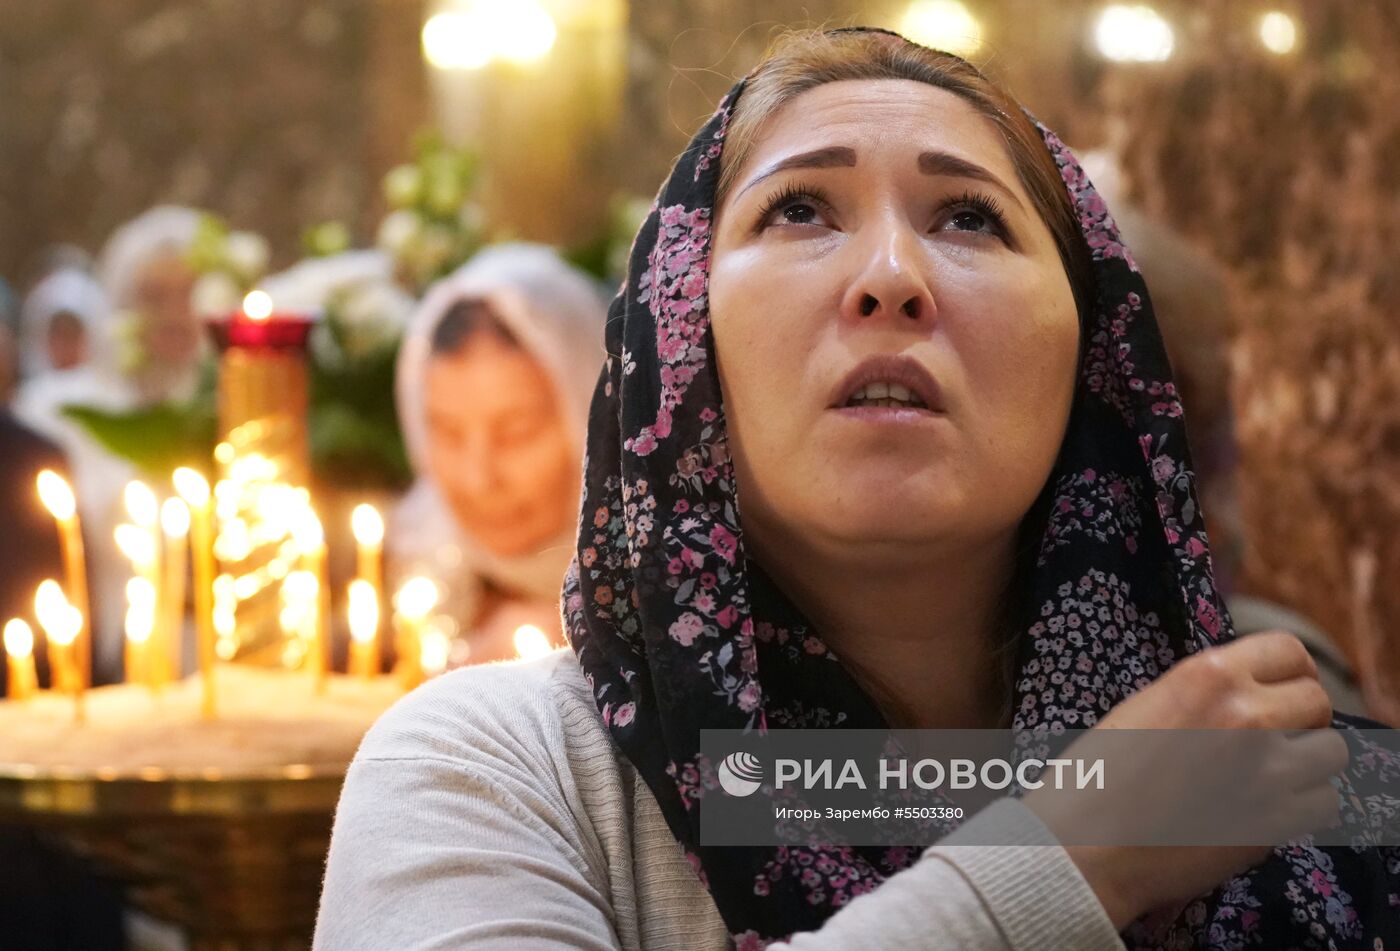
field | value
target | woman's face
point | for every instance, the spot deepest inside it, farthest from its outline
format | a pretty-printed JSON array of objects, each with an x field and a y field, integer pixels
[
  {"x": 877, "y": 246},
  {"x": 498, "y": 445},
  {"x": 67, "y": 341},
  {"x": 169, "y": 328}
]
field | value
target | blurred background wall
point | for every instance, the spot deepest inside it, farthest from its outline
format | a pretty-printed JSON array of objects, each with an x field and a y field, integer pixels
[{"x": 1267, "y": 135}]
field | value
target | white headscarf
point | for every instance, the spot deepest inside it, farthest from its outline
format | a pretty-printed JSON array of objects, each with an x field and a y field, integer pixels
[
  {"x": 99, "y": 476},
  {"x": 557, "y": 314},
  {"x": 68, "y": 289},
  {"x": 151, "y": 235}
]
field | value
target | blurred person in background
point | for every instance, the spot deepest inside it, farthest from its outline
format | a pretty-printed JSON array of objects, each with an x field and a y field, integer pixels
[
  {"x": 47, "y": 901},
  {"x": 143, "y": 346},
  {"x": 1191, "y": 295},
  {"x": 62, "y": 312},
  {"x": 493, "y": 383},
  {"x": 145, "y": 270}
]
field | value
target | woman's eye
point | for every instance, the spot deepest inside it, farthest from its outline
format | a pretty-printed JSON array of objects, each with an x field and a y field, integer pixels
[
  {"x": 795, "y": 205},
  {"x": 975, "y": 214},
  {"x": 799, "y": 213},
  {"x": 970, "y": 221},
  {"x": 520, "y": 430}
]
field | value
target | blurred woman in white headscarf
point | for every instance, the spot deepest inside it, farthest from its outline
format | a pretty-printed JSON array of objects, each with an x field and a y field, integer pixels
[
  {"x": 61, "y": 315},
  {"x": 494, "y": 380},
  {"x": 146, "y": 271},
  {"x": 143, "y": 346}
]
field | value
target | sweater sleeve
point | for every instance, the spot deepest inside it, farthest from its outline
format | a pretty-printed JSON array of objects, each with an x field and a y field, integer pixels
[
  {"x": 1025, "y": 894},
  {"x": 457, "y": 828},
  {"x": 453, "y": 834},
  {"x": 429, "y": 853}
]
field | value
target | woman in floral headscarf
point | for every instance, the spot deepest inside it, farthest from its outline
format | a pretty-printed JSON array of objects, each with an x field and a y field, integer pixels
[{"x": 886, "y": 438}]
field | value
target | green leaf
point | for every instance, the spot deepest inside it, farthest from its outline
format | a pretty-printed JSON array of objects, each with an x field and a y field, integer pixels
[{"x": 156, "y": 439}]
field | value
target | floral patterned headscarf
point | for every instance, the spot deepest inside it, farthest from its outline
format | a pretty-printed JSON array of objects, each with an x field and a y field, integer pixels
[{"x": 677, "y": 631}]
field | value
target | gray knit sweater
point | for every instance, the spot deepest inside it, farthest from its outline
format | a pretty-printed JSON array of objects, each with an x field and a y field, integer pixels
[{"x": 490, "y": 809}]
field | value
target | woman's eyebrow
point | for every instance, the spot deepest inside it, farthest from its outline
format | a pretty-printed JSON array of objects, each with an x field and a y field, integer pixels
[
  {"x": 841, "y": 156},
  {"x": 951, "y": 166},
  {"x": 833, "y": 156}
]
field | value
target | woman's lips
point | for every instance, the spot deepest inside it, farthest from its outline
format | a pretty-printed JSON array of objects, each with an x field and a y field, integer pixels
[
  {"x": 888, "y": 415},
  {"x": 886, "y": 374}
]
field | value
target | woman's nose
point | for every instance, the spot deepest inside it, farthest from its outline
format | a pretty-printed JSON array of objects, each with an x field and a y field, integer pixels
[
  {"x": 476, "y": 469},
  {"x": 890, "y": 282}
]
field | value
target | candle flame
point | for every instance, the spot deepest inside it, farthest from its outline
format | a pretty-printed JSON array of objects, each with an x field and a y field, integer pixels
[
  {"x": 307, "y": 533},
  {"x": 433, "y": 650},
  {"x": 137, "y": 545},
  {"x": 56, "y": 494},
  {"x": 48, "y": 599},
  {"x": 416, "y": 598},
  {"x": 531, "y": 642},
  {"x": 140, "y": 610},
  {"x": 300, "y": 586},
  {"x": 367, "y": 524},
  {"x": 19, "y": 638},
  {"x": 258, "y": 305},
  {"x": 279, "y": 504},
  {"x": 175, "y": 518},
  {"x": 225, "y": 621},
  {"x": 59, "y": 619},
  {"x": 141, "y": 504},
  {"x": 191, "y": 486},
  {"x": 364, "y": 611}
]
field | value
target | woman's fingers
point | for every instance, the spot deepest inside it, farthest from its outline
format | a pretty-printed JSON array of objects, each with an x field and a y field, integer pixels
[
  {"x": 1309, "y": 760},
  {"x": 1272, "y": 656},
  {"x": 1298, "y": 704}
]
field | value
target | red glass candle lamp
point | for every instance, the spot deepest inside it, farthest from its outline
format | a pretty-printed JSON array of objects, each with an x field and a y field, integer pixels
[
  {"x": 263, "y": 454},
  {"x": 263, "y": 384}
]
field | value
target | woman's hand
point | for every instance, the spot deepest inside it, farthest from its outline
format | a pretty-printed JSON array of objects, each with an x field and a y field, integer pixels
[{"x": 1238, "y": 786}]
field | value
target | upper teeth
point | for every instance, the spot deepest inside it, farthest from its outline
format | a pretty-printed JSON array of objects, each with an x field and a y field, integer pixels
[{"x": 886, "y": 391}]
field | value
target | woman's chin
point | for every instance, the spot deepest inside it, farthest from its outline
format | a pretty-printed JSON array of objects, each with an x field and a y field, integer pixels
[
  {"x": 873, "y": 523},
  {"x": 513, "y": 539}
]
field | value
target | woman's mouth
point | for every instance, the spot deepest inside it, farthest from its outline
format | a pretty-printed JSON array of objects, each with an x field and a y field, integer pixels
[
  {"x": 885, "y": 396},
  {"x": 888, "y": 389}
]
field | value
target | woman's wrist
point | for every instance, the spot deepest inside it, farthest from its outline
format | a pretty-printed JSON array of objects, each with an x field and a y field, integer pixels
[{"x": 1101, "y": 866}]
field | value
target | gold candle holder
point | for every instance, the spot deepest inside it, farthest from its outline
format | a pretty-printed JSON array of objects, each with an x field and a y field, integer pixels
[{"x": 264, "y": 462}]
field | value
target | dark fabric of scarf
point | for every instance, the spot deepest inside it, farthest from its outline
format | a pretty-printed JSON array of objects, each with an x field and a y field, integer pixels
[{"x": 677, "y": 631}]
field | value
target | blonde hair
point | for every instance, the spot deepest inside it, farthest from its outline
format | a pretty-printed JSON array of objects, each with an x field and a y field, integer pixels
[{"x": 802, "y": 60}]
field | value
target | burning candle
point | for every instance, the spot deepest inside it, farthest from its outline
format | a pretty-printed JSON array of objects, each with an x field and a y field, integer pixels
[
  {"x": 531, "y": 642},
  {"x": 57, "y": 496},
  {"x": 434, "y": 646},
  {"x": 62, "y": 623},
  {"x": 19, "y": 649},
  {"x": 257, "y": 306},
  {"x": 310, "y": 539},
  {"x": 175, "y": 525},
  {"x": 194, "y": 490},
  {"x": 301, "y": 598},
  {"x": 413, "y": 603},
  {"x": 364, "y": 629},
  {"x": 144, "y": 509},
  {"x": 138, "y": 546},
  {"x": 368, "y": 527},
  {"x": 140, "y": 625},
  {"x": 141, "y": 505}
]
